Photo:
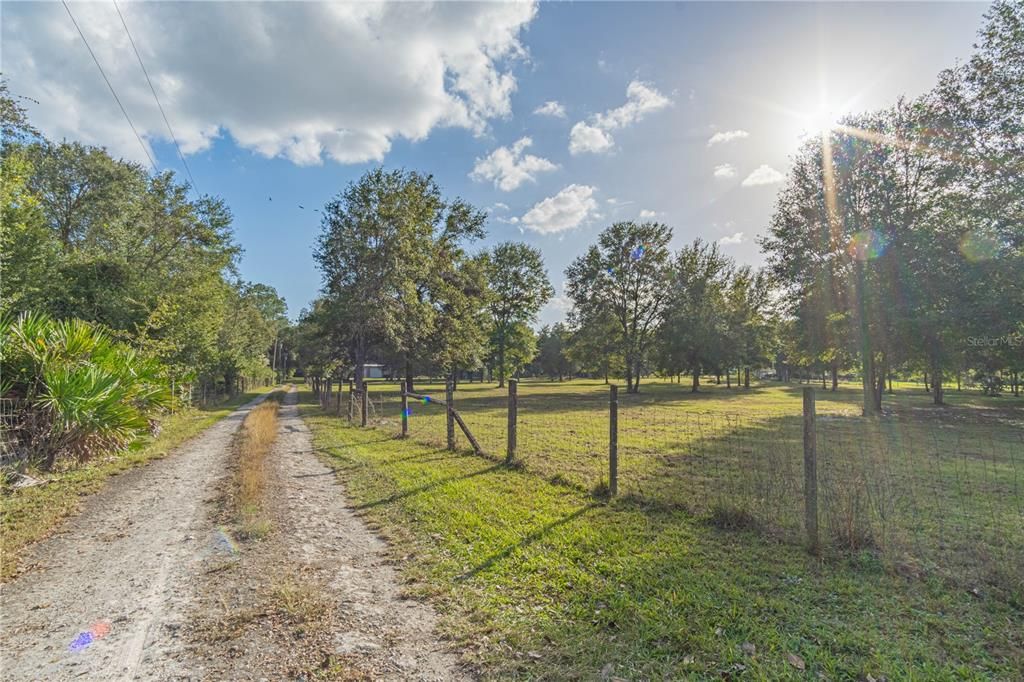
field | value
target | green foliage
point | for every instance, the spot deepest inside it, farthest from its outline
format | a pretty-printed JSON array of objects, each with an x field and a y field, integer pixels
[
  {"x": 519, "y": 288},
  {"x": 79, "y": 392},
  {"x": 898, "y": 235},
  {"x": 624, "y": 276},
  {"x": 552, "y": 352},
  {"x": 89, "y": 237},
  {"x": 396, "y": 275}
]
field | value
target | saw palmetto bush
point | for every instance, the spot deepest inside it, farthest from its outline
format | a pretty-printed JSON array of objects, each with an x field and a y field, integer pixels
[{"x": 79, "y": 392}]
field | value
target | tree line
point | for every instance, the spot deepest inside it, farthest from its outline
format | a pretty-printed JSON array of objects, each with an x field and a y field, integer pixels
[
  {"x": 402, "y": 288},
  {"x": 116, "y": 282},
  {"x": 895, "y": 248},
  {"x": 897, "y": 241}
]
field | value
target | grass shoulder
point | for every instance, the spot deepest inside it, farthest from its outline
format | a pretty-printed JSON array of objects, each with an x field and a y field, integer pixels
[
  {"x": 29, "y": 514},
  {"x": 536, "y": 579}
]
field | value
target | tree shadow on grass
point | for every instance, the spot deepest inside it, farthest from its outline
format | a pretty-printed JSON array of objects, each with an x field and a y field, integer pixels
[
  {"x": 425, "y": 488},
  {"x": 528, "y": 539}
]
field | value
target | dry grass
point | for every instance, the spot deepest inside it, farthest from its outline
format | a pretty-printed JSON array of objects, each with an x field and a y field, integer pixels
[{"x": 259, "y": 430}]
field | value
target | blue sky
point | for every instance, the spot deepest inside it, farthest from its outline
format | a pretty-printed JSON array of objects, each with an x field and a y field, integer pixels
[{"x": 293, "y": 101}]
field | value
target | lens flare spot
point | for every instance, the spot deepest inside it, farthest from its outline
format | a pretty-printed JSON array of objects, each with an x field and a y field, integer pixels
[
  {"x": 867, "y": 245},
  {"x": 224, "y": 542},
  {"x": 97, "y": 631},
  {"x": 637, "y": 253},
  {"x": 426, "y": 399},
  {"x": 408, "y": 412},
  {"x": 978, "y": 247}
]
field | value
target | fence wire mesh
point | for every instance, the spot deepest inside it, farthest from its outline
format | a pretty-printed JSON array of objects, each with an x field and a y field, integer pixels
[{"x": 929, "y": 498}]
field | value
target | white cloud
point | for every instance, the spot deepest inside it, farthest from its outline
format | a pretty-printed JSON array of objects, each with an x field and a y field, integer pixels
[
  {"x": 564, "y": 211},
  {"x": 763, "y": 175},
  {"x": 551, "y": 108},
  {"x": 641, "y": 99},
  {"x": 557, "y": 306},
  {"x": 647, "y": 214},
  {"x": 587, "y": 138},
  {"x": 618, "y": 202},
  {"x": 303, "y": 81},
  {"x": 727, "y": 136},
  {"x": 509, "y": 167},
  {"x": 731, "y": 240},
  {"x": 498, "y": 206},
  {"x": 725, "y": 170}
]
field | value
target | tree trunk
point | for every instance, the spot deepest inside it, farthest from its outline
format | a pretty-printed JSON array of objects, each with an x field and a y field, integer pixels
[
  {"x": 746, "y": 377},
  {"x": 629, "y": 375},
  {"x": 696, "y": 380},
  {"x": 866, "y": 354},
  {"x": 501, "y": 361},
  {"x": 728, "y": 379},
  {"x": 937, "y": 386},
  {"x": 880, "y": 389},
  {"x": 408, "y": 377},
  {"x": 360, "y": 360},
  {"x": 835, "y": 377}
]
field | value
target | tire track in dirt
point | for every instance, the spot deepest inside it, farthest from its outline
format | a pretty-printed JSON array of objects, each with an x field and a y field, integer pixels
[
  {"x": 108, "y": 593},
  {"x": 378, "y": 634}
]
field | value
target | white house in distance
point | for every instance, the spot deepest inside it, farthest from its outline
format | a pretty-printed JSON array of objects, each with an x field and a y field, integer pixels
[{"x": 373, "y": 371}]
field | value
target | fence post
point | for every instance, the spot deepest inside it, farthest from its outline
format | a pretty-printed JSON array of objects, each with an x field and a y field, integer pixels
[
  {"x": 613, "y": 440},
  {"x": 341, "y": 389},
  {"x": 405, "y": 411},
  {"x": 810, "y": 471},
  {"x": 513, "y": 411},
  {"x": 449, "y": 395},
  {"x": 365, "y": 398}
]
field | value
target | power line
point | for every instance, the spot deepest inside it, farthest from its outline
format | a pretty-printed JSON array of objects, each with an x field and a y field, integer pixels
[
  {"x": 159, "y": 106},
  {"x": 112, "y": 91}
]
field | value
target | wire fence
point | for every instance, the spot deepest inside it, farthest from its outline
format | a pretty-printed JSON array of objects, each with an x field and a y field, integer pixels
[{"x": 924, "y": 497}]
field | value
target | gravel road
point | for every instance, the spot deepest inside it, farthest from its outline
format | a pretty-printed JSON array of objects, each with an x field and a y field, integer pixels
[
  {"x": 380, "y": 634},
  {"x": 113, "y": 594},
  {"x": 107, "y": 595}
]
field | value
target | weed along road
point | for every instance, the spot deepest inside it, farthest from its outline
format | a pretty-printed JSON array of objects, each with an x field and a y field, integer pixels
[{"x": 133, "y": 586}]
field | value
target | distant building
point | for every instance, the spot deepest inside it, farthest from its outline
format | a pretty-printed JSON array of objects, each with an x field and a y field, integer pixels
[{"x": 373, "y": 371}]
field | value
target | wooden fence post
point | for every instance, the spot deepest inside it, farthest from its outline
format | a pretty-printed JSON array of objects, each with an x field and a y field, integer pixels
[
  {"x": 613, "y": 440},
  {"x": 513, "y": 411},
  {"x": 449, "y": 395},
  {"x": 405, "y": 411},
  {"x": 810, "y": 471},
  {"x": 341, "y": 389},
  {"x": 364, "y": 396}
]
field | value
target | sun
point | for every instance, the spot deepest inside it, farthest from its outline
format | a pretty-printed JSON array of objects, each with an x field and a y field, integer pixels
[{"x": 820, "y": 120}]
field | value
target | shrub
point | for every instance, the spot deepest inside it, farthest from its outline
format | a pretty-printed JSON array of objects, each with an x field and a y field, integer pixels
[{"x": 77, "y": 391}]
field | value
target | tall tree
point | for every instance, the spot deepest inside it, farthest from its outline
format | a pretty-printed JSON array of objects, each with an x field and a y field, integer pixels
[
  {"x": 519, "y": 288},
  {"x": 693, "y": 332},
  {"x": 385, "y": 241},
  {"x": 624, "y": 274},
  {"x": 552, "y": 351}
]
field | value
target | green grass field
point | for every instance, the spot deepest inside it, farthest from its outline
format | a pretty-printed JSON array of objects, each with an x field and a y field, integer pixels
[
  {"x": 930, "y": 490},
  {"x": 29, "y": 514},
  {"x": 540, "y": 578}
]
